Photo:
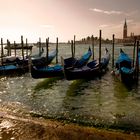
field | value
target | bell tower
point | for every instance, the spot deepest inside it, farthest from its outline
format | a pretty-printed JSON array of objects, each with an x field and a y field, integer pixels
[{"x": 125, "y": 30}]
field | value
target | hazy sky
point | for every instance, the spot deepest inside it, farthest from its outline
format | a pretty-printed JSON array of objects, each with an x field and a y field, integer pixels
[{"x": 66, "y": 18}]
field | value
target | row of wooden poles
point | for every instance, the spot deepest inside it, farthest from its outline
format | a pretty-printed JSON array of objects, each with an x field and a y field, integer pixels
[
  {"x": 9, "y": 47},
  {"x": 135, "y": 49},
  {"x": 22, "y": 48},
  {"x": 47, "y": 48},
  {"x": 40, "y": 47},
  {"x": 92, "y": 43},
  {"x": 136, "y": 44}
]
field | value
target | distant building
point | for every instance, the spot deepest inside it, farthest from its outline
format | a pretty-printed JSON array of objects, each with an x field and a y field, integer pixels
[
  {"x": 125, "y": 30},
  {"x": 129, "y": 39}
]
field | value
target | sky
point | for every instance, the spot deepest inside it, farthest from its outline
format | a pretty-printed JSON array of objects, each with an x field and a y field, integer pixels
[{"x": 66, "y": 18}]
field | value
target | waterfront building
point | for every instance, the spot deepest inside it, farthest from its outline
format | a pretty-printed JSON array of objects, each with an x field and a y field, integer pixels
[{"x": 128, "y": 39}]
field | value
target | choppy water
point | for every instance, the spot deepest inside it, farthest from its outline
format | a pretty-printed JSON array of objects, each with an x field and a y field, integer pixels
[{"x": 104, "y": 102}]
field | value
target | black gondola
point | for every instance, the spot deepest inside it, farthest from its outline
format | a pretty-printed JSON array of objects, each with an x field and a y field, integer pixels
[
  {"x": 57, "y": 70},
  {"x": 88, "y": 71},
  {"x": 123, "y": 68}
]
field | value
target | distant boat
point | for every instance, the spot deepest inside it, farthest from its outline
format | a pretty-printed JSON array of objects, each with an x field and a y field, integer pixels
[
  {"x": 88, "y": 71},
  {"x": 123, "y": 68},
  {"x": 18, "y": 46},
  {"x": 57, "y": 70},
  {"x": 129, "y": 44}
]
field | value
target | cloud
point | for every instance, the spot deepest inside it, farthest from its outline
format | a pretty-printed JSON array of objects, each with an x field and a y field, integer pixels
[
  {"x": 113, "y": 12},
  {"x": 97, "y": 10},
  {"x": 106, "y": 12}
]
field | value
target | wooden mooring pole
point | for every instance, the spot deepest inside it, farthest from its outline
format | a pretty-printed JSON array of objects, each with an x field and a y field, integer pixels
[
  {"x": 92, "y": 42},
  {"x": 100, "y": 40},
  {"x": 47, "y": 48},
  {"x": 39, "y": 46},
  {"x": 15, "y": 48},
  {"x": 113, "y": 42},
  {"x": 134, "y": 51},
  {"x": 1, "y": 51},
  {"x": 74, "y": 46},
  {"x": 8, "y": 53},
  {"x": 72, "y": 49},
  {"x": 26, "y": 47},
  {"x": 22, "y": 46},
  {"x": 137, "y": 62},
  {"x": 9, "y": 45},
  {"x": 56, "y": 50},
  {"x": 9, "y": 48}
]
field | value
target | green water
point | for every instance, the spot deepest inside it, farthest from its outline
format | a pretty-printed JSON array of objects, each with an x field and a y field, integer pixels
[{"x": 104, "y": 102}]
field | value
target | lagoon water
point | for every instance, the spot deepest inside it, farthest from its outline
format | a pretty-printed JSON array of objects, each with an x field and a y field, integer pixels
[{"x": 104, "y": 102}]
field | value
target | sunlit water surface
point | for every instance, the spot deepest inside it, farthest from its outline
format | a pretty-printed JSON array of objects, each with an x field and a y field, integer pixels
[{"x": 104, "y": 102}]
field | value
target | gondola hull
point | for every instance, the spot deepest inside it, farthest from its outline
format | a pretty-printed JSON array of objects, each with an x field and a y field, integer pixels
[
  {"x": 77, "y": 63},
  {"x": 89, "y": 71},
  {"x": 57, "y": 70},
  {"x": 21, "y": 66},
  {"x": 47, "y": 71},
  {"x": 12, "y": 70},
  {"x": 123, "y": 69}
]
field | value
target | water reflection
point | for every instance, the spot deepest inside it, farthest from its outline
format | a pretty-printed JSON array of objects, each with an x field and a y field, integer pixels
[
  {"x": 46, "y": 83},
  {"x": 120, "y": 90},
  {"x": 76, "y": 87}
]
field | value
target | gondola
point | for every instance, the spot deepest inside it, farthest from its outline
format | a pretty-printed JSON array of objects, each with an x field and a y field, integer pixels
[
  {"x": 57, "y": 70},
  {"x": 88, "y": 71},
  {"x": 21, "y": 66},
  {"x": 36, "y": 60},
  {"x": 12, "y": 70},
  {"x": 43, "y": 61},
  {"x": 19, "y": 59},
  {"x": 123, "y": 68},
  {"x": 9, "y": 60},
  {"x": 75, "y": 62},
  {"x": 47, "y": 71}
]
